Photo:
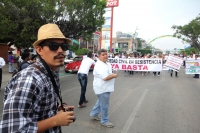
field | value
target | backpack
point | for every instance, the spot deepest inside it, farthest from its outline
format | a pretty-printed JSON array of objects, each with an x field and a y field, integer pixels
[{"x": 19, "y": 67}]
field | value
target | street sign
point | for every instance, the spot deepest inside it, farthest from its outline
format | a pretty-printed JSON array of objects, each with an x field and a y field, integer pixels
[{"x": 112, "y": 3}]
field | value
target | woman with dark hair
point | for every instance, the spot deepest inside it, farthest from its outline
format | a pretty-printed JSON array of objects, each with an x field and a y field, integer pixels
[{"x": 11, "y": 62}]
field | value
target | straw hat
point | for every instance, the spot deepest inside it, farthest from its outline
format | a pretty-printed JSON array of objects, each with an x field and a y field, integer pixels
[{"x": 49, "y": 31}]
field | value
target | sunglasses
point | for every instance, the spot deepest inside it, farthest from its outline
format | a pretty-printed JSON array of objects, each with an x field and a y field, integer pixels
[{"x": 53, "y": 46}]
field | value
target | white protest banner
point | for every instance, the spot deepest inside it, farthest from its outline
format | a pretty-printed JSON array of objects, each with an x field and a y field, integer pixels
[
  {"x": 192, "y": 67},
  {"x": 174, "y": 62},
  {"x": 165, "y": 68},
  {"x": 154, "y": 64}
]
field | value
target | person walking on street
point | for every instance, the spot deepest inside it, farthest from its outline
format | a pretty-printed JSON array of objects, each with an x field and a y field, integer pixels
[
  {"x": 103, "y": 85},
  {"x": 31, "y": 96},
  {"x": 196, "y": 75},
  {"x": 2, "y": 64},
  {"x": 159, "y": 56},
  {"x": 176, "y": 73},
  {"x": 83, "y": 77},
  {"x": 131, "y": 72},
  {"x": 11, "y": 62}
]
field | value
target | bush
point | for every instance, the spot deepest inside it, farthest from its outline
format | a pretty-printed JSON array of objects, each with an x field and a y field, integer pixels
[
  {"x": 81, "y": 51},
  {"x": 144, "y": 51}
]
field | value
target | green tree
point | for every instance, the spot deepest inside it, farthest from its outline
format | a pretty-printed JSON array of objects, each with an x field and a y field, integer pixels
[
  {"x": 81, "y": 18},
  {"x": 73, "y": 47},
  {"x": 144, "y": 51},
  {"x": 190, "y": 32},
  {"x": 188, "y": 51},
  {"x": 20, "y": 19},
  {"x": 139, "y": 43},
  {"x": 81, "y": 51}
]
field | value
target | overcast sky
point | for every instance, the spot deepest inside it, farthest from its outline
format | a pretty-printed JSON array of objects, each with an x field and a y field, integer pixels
[{"x": 154, "y": 18}]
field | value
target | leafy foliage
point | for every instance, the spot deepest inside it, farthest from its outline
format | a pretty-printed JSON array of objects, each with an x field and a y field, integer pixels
[
  {"x": 73, "y": 47},
  {"x": 21, "y": 19},
  {"x": 81, "y": 51},
  {"x": 144, "y": 51},
  {"x": 82, "y": 17},
  {"x": 190, "y": 32},
  {"x": 140, "y": 41},
  {"x": 188, "y": 51}
]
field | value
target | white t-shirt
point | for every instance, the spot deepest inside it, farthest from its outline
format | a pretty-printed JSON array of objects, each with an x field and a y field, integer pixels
[
  {"x": 100, "y": 72},
  {"x": 85, "y": 56},
  {"x": 85, "y": 65},
  {"x": 190, "y": 58},
  {"x": 116, "y": 57},
  {"x": 2, "y": 62}
]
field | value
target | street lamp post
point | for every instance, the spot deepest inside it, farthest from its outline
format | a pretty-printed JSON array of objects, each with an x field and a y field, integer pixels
[
  {"x": 134, "y": 36},
  {"x": 96, "y": 41}
]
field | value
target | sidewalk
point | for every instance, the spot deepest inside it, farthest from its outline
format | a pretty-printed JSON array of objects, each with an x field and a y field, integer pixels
[{"x": 6, "y": 76}]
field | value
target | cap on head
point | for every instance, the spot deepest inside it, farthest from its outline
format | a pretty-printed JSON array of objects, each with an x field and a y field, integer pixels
[{"x": 49, "y": 31}]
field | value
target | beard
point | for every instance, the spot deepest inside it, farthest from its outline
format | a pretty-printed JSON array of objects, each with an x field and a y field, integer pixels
[
  {"x": 60, "y": 55},
  {"x": 61, "y": 64}
]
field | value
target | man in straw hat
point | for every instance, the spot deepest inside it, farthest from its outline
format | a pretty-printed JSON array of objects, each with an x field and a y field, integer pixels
[{"x": 30, "y": 101}]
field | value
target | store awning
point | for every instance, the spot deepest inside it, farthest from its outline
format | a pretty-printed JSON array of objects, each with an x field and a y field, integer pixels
[{"x": 75, "y": 41}]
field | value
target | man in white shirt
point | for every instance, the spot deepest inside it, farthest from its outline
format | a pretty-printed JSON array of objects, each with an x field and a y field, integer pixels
[
  {"x": 2, "y": 63},
  {"x": 83, "y": 77},
  {"x": 103, "y": 84},
  {"x": 116, "y": 55},
  {"x": 85, "y": 56}
]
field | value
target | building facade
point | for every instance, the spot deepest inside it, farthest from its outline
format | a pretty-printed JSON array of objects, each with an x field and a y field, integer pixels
[{"x": 123, "y": 41}]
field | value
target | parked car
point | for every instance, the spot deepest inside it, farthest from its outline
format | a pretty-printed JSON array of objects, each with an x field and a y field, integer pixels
[
  {"x": 75, "y": 65},
  {"x": 67, "y": 61}
]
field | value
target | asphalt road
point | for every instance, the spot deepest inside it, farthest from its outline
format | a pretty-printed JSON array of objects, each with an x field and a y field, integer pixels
[{"x": 139, "y": 104}]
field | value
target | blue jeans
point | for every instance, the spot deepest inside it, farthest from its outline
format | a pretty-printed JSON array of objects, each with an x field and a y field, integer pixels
[
  {"x": 101, "y": 105},
  {"x": 82, "y": 78},
  {"x": 11, "y": 67}
]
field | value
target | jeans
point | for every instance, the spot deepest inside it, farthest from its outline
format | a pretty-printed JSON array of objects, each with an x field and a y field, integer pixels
[
  {"x": 83, "y": 82},
  {"x": 101, "y": 105},
  {"x": 11, "y": 67},
  {"x": 0, "y": 77}
]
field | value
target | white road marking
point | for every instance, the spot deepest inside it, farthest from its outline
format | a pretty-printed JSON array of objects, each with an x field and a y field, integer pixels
[{"x": 133, "y": 114}]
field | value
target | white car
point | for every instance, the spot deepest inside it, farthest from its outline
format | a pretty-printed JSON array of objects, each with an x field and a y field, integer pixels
[{"x": 67, "y": 61}]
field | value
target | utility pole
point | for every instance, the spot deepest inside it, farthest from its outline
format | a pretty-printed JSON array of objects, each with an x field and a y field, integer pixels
[{"x": 134, "y": 36}]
